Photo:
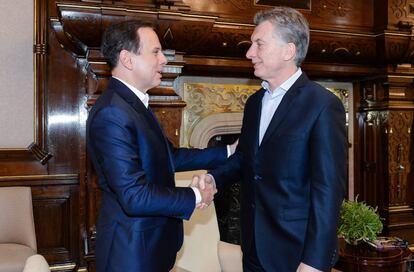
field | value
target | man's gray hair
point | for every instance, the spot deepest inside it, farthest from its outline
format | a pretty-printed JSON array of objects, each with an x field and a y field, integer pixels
[{"x": 290, "y": 26}]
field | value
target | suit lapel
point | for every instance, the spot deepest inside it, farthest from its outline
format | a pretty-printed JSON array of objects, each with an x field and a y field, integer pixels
[
  {"x": 123, "y": 91},
  {"x": 284, "y": 107},
  {"x": 257, "y": 108}
]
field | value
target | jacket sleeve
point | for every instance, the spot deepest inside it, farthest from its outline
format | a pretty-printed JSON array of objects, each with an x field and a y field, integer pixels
[
  {"x": 187, "y": 159},
  {"x": 114, "y": 144},
  {"x": 231, "y": 171},
  {"x": 328, "y": 147}
]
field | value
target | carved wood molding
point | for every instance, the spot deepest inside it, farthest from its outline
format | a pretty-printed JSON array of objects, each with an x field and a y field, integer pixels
[
  {"x": 41, "y": 155},
  {"x": 399, "y": 164},
  {"x": 341, "y": 48},
  {"x": 398, "y": 8}
]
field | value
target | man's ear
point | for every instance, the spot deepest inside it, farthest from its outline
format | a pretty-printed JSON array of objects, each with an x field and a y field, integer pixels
[
  {"x": 290, "y": 51},
  {"x": 125, "y": 59}
]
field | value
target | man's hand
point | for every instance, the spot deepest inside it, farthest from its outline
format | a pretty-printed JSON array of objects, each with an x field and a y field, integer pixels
[
  {"x": 201, "y": 180},
  {"x": 207, "y": 189},
  {"x": 306, "y": 268}
]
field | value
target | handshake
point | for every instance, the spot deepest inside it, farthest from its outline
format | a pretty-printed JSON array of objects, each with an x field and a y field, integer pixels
[{"x": 207, "y": 188}]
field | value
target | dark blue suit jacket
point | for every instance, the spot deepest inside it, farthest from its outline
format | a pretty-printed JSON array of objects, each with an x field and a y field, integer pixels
[
  {"x": 294, "y": 182},
  {"x": 140, "y": 220}
]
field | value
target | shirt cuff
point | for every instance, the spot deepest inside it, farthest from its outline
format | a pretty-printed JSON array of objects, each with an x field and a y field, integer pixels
[
  {"x": 228, "y": 151},
  {"x": 212, "y": 178},
  {"x": 197, "y": 195}
]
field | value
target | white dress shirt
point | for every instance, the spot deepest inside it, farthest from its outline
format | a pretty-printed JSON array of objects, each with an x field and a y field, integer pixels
[
  {"x": 144, "y": 97},
  {"x": 271, "y": 100}
]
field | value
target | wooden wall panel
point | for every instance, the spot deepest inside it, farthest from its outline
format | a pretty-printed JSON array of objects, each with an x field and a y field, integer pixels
[{"x": 54, "y": 245}]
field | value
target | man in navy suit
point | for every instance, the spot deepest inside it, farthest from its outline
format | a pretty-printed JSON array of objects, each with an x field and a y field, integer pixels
[
  {"x": 139, "y": 227},
  {"x": 291, "y": 157}
]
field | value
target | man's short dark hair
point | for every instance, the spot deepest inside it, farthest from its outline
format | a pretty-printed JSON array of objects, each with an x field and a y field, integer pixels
[{"x": 121, "y": 36}]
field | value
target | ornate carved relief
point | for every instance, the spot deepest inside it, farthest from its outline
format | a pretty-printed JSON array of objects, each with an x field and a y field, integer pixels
[
  {"x": 377, "y": 118},
  {"x": 399, "y": 142},
  {"x": 342, "y": 94},
  {"x": 331, "y": 7},
  {"x": 205, "y": 99},
  {"x": 396, "y": 49},
  {"x": 170, "y": 119},
  {"x": 350, "y": 49},
  {"x": 398, "y": 8}
]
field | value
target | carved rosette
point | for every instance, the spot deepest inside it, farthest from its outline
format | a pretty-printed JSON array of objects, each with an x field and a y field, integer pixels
[
  {"x": 399, "y": 142},
  {"x": 205, "y": 99}
]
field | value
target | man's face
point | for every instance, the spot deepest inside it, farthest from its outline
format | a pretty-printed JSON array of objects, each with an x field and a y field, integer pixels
[
  {"x": 268, "y": 53},
  {"x": 148, "y": 63}
]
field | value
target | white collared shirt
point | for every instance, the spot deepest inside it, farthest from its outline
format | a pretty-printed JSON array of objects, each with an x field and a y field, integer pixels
[
  {"x": 144, "y": 97},
  {"x": 271, "y": 100}
]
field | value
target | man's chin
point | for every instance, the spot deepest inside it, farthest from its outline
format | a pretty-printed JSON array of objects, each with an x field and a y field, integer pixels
[
  {"x": 257, "y": 73},
  {"x": 156, "y": 84}
]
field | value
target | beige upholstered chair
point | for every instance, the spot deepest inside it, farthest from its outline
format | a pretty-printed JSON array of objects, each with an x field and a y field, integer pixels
[
  {"x": 36, "y": 263},
  {"x": 17, "y": 232},
  {"x": 202, "y": 250}
]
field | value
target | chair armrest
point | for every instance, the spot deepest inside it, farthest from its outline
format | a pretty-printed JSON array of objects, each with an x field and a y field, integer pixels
[
  {"x": 36, "y": 263},
  {"x": 230, "y": 257}
]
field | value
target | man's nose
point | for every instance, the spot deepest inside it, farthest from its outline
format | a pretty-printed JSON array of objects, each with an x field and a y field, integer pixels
[
  {"x": 163, "y": 59},
  {"x": 250, "y": 52}
]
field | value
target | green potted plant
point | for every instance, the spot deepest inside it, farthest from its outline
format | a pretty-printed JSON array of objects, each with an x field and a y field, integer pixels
[{"x": 358, "y": 222}]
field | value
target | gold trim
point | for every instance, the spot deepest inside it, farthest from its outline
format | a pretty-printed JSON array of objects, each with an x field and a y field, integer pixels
[
  {"x": 394, "y": 76},
  {"x": 188, "y": 15},
  {"x": 396, "y": 209},
  {"x": 78, "y": 6},
  {"x": 82, "y": 269},
  {"x": 105, "y": 8},
  {"x": 62, "y": 267},
  {"x": 346, "y": 33},
  {"x": 134, "y": 10},
  {"x": 97, "y": 62},
  {"x": 397, "y": 34},
  {"x": 39, "y": 49},
  {"x": 38, "y": 177},
  {"x": 35, "y": 91},
  {"x": 235, "y": 24}
]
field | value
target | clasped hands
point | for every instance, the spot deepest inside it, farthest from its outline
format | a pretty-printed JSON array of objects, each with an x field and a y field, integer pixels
[{"x": 207, "y": 188}]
